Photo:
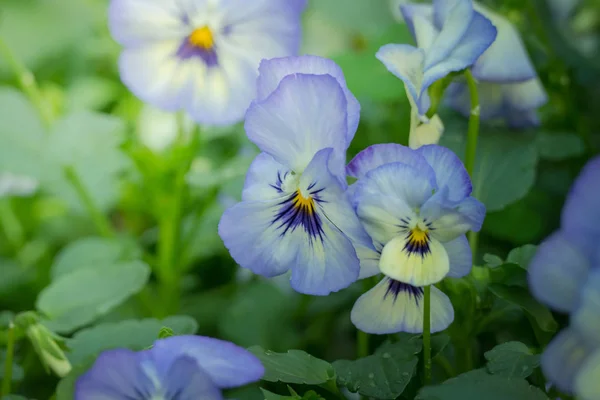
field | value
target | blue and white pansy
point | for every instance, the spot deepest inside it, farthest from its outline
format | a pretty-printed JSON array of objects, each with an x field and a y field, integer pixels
[
  {"x": 565, "y": 275},
  {"x": 201, "y": 55},
  {"x": 416, "y": 205},
  {"x": 175, "y": 368},
  {"x": 294, "y": 213},
  {"x": 450, "y": 37}
]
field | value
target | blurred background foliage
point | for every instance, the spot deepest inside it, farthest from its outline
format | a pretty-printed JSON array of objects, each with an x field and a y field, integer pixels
[{"x": 123, "y": 153}]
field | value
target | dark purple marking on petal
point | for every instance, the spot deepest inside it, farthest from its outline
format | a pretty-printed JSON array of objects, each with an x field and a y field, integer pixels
[
  {"x": 396, "y": 287},
  {"x": 188, "y": 50},
  {"x": 417, "y": 241}
]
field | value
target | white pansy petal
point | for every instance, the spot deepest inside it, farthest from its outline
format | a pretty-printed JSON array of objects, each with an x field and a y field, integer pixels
[
  {"x": 264, "y": 179},
  {"x": 416, "y": 262},
  {"x": 410, "y": 11},
  {"x": 526, "y": 95},
  {"x": 392, "y": 307},
  {"x": 427, "y": 133},
  {"x": 448, "y": 221},
  {"x": 449, "y": 171},
  {"x": 453, "y": 18},
  {"x": 156, "y": 75},
  {"x": 383, "y": 216},
  {"x": 378, "y": 154},
  {"x": 459, "y": 254}
]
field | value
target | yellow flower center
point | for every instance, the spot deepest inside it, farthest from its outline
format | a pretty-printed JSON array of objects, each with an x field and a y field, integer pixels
[
  {"x": 304, "y": 204},
  {"x": 418, "y": 237},
  {"x": 202, "y": 38}
]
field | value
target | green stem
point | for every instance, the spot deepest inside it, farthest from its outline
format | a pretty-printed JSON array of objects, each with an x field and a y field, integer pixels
[
  {"x": 8, "y": 363},
  {"x": 10, "y": 223},
  {"x": 100, "y": 220},
  {"x": 27, "y": 82},
  {"x": 472, "y": 135},
  {"x": 427, "y": 334},
  {"x": 362, "y": 344}
]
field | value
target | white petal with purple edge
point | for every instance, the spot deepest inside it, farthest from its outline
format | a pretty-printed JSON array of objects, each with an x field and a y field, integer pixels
[
  {"x": 378, "y": 154},
  {"x": 410, "y": 11},
  {"x": 453, "y": 18},
  {"x": 264, "y": 179},
  {"x": 450, "y": 220},
  {"x": 392, "y": 307},
  {"x": 449, "y": 171},
  {"x": 383, "y": 216}
]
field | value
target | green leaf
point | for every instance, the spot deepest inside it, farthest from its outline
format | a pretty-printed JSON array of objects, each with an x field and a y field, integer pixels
[
  {"x": 383, "y": 375},
  {"x": 512, "y": 359},
  {"x": 559, "y": 146},
  {"x": 131, "y": 334},
  {"x": 92, "y": 251},
  {"x": 260, "y": 314},
  {"x": 295, "y": 366},
  {"x": 78, "y": 298},
  {"x": 522, "y": 255},
  {"x": 478, "y": 384},
  {"x": 273, "y": 396},
  {"x": 14, "y": 277},
  {"x": 521, "y": 297},
  {"x": 505, "y": 166}
]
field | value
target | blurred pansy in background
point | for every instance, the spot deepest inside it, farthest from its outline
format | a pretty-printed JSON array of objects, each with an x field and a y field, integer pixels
[
  {"x": 201, "y": 56},
  {"x": 565, "y": 274},
  {"x": 417, "y": 208},
  {"x": 17, "y": 185},
  {"x": 294, "y": 214},
  {"x": 178, "y": 367}
]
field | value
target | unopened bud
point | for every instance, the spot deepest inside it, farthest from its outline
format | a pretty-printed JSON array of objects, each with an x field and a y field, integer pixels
[{"x": 46, "y": 344}]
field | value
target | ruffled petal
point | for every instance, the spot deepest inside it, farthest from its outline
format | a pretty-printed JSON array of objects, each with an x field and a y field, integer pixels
[
  {"x": 185, "y": 380},
  {"x": 558, "y": 272},
  {"x": 453, "y": 18},
  {"x": 392, "y": 307},
  {"x": 580, "y": 218},
  {"x": 397, "y": 180},
  {"x": 264, "y": 179},
  {"x": 459, "y": 254},
  {"x": 418, "y": 263},
  {"x": 226, "y": 364},
  {"x": 156, "y": 75},
  {"x": 379, "y": 154},
  {"x": 450, "y": 220},
  {"x": 407, "y": 63},
  {"x": 116, "y": 374},
  {"x": 138, "y": 22},
  {"x": 587, "y": 317},
  {"x": 305, "y": 114},
  {"x": 563, "y": 358},
  {"x": 491, "y": 66},
  {"x": 272, "y": 71},
  {"x": 449, "y": 171},
  {"x": 587, "y": 382}
]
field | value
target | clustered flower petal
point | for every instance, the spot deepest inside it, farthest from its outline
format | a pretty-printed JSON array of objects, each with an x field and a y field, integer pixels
[
  {"x": 416, "y": 206},
  {"x": 565, "y": 275},
  {"x": 201, "y": 56},
  {"x": 178, "y": 367}
]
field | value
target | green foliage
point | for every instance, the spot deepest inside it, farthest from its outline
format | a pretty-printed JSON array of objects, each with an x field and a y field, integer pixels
[
  {"x": 512, "y": 359},
  {"x": 478, "y": 384},
  {"x": 295, "y": 366},
  {"x": 383, "y": 375},
  {"x": 78, "y": 298}
]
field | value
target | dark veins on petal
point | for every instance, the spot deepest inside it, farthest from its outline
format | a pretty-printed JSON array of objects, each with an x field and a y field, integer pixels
[{"x": 396, "y": 287}]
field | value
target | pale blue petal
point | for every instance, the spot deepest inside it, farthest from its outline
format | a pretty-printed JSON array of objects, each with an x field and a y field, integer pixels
[
  {"x": 272, "y": 71},
  {"x": 558, "y": 272},
  {"x": 264, "y": 179},
  {"x": 398, "y": 180},
  {"x": 407, "y": 63},
  {"x": 379, "y": 154},
  {"x": 305, "y": 114},
  {"x": 459, "y": 254},
  {"x": 185, "y": 380},
  {"x": 507, "y": 49},
  {"x": 587, "y": 317},
  {"x": 587, "y": 382},
  {"x": 410, "y": 11},
  {"x": 449, "y": 171},
  {"x": 226, "y": 364},
  {"x": 392, "y": 307},
  {"x": 581, "y": 213},
  {"x": 449, "y": 220},
  {"x": 479, "y": 36},
  {"x": 453, "y": 18},
  {"x": 161, "y": 21},
  {"x": 525, "y": 95},
  {"x": 116, "y": 374},
  {"x": 563, "y": 357}
]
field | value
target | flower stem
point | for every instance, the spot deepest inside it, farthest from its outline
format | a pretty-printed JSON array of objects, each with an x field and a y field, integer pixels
[
  {"x": 27, "y": 82},
  {"x": 472, "y": 135},
  {"x": 427, "y": 334},
  {"x": 100, "y": 220},
  {"x": 362, "y": 344},
  {"x": 8, "y": 362}
]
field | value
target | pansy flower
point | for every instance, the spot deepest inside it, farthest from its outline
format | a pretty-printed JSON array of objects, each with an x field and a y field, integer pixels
[
  {"x": 508, "y": 84},
  {"x": 565, "y": 275},
  {"x": 175, "y": 368},
  {"x": 201, "y": 56},
  {"x": 450, "y": 37},
  {"x": 294, "y": 213},
  {"x": 416, "y": 205}
]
